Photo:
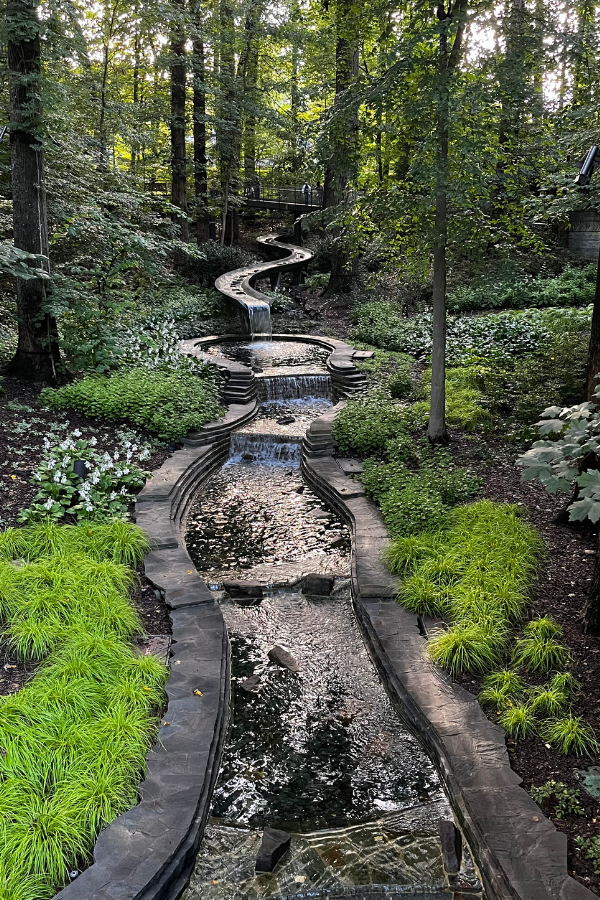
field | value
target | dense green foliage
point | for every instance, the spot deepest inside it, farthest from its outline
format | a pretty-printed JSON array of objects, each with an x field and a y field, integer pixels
[
  {"x": 75, "y": 737},
  {"x": 573, "y": 287},
  {"x": 170, "y": 405}
]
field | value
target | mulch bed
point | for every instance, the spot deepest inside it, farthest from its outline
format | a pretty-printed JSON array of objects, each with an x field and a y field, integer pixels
[
  {"x": 565, "y": 576},
  {"x": 21, "y": 445}
]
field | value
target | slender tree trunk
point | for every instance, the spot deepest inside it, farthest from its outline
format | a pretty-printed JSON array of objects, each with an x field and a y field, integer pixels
[
  {"x": 591, "y": 615},
  {"x": 200, "y": 161},
  {"x": 136, "y": 100},
  {"x": 250, "y": 87},
  {"x": 37, "y": 357},
  {"x": 593, "y": 364},
  {"x": 436, "y": 431},
  {"x": 178, "y": 150},
  {"x": 447, "y": 64}
]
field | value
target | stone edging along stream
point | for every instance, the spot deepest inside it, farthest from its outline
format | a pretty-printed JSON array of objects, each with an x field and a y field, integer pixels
[
  {"x": 518, "y": 850},
  {"x": 148, "y": 852}
]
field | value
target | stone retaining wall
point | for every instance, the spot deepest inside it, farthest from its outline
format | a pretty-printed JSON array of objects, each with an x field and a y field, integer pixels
[
  {"x": 518, "y": 850},
  {"x": 149, "y": 851}
]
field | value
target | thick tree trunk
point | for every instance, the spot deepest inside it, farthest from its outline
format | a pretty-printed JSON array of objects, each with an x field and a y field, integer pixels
[
  {"x": 37, "y": 357},
  {"x": 200, "y": 161},
  {"x": 343, "y": 139},
  {"x": 593, "y": 365},
  {"x": 228, "y": 119},
  {"x": 591, "y": 616},
  {"x": 178, "y": 150}
]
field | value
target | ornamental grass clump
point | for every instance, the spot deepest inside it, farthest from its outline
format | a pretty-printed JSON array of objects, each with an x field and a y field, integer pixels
[
  {"x": 74, "y": 739},
  {"x": 482, "y": 564},
  {"x": 519, "y": 721},
  {"x": 571, "y": 735}
]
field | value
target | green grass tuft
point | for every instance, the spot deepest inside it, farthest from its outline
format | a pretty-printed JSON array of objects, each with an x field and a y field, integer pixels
[
  {"x": 571, "y": 735},
  {"x": 519, "y": 721},
  {"x": 540, "y": 654},
  {"x": 466, "y": 648}
]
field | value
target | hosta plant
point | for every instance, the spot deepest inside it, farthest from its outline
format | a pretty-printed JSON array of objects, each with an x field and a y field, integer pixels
[{"x": 104, "y": 493}]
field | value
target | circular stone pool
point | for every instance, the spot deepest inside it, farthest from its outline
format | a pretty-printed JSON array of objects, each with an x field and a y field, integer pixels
[{"x": 278, "y": 355}]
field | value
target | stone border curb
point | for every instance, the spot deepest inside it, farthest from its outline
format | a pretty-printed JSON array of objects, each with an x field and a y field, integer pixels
[
  {"x": 520, "y": 853},
  {"x": 148, "y": 852}
]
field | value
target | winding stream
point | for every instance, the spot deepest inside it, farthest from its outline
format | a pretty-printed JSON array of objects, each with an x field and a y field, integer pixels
[{"x": 315, "y": 746}]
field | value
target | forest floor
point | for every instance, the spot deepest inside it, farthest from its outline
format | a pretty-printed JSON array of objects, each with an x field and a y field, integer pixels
[{"x": 24, "y": 427}]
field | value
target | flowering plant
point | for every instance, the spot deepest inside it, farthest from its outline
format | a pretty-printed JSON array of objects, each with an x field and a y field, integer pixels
[
  {"x": 155, "y": 345},
  {"x": 104, "y": 492}
]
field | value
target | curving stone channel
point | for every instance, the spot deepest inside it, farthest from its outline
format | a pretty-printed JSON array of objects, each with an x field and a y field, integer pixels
[{"x": 238, "y": 285}]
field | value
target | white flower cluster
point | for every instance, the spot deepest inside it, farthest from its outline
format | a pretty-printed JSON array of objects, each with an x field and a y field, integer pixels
[
  {"x": 106, "y": 490},
  {"x": 154, "y": 346}
]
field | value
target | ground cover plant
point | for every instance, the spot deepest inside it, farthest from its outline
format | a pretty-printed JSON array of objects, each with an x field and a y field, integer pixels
[
  {"x": 75, "y": 737},
  {"x": 574, "y": 286},
  {"x": 169, "y": 404}
]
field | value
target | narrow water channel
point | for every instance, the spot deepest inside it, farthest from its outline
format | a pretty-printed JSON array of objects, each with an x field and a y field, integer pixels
[{"x": 315, "y": 747}]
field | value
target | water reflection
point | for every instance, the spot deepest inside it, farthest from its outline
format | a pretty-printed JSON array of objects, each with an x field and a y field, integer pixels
[{"x": 273, "y": 354}]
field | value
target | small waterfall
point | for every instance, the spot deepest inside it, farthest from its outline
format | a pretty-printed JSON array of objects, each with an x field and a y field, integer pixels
[
  {"x": 265, "y": 448},
  {"x": 259, "y": 315},
  {"x": 293, "y": 387}
]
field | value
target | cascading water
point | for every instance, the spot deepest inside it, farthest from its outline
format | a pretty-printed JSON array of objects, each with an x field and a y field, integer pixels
[
  {"x": 259, "y": 316},
  {"x": 316, "y": 749},
  {"x": 265, "y": 448},
  {"x": 293, "y": 387}
]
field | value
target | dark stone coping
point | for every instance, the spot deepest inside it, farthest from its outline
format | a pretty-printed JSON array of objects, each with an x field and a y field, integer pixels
[
  {"x": 519, "y": 852},
  {"x": 148, "y": 852}
]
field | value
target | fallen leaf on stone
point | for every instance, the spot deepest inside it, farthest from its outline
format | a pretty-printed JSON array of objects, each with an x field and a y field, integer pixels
[
  {"x": 536, "y": 819},
  {"x": 190, "y": 572},
  {"x": 166, "y": 723},
  {"x": 198, "y": 693}
]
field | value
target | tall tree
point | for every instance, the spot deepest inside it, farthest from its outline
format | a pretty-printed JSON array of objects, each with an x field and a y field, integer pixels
[
  {"x": 342, "y": 164},
  {"x": 37, "y": 357},
  {"x": 449, "y": 50},
  {"x": 199, "y": 105},
  {"x": 178, "y": 121}
]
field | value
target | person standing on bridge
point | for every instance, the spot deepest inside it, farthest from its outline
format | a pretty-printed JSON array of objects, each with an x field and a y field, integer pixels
[{"x": 306, "y": 192}]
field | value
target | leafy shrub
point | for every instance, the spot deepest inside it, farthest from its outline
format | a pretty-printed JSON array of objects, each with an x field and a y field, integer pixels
[
  {"x": 104, "y": 493},
  {"x": 74, "y": 738},
  {"x": 171, "y": 405},
  {"x": 416, "y": 501},
  {"x": 566, "y": 800},
  {"x": 556, "y": 463},
  {"x": 573, "y": 287},
  {"x": 499, "y": 336},
  {"x": 590, "y": 848},
  {"x": 367, "y": 423},
  {"x": 390, "y": 371},
  {"x": 216, "y": 262},
  {"x": 571, "y": 735}
]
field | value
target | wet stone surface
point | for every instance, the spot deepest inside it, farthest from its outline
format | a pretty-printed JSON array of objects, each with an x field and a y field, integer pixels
[
  {"x": 279, "y": 356},
  {"x": 303, "y": 412},
  {"x": 319, "y": 753},
  {"x": 254, "y": 514}
]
